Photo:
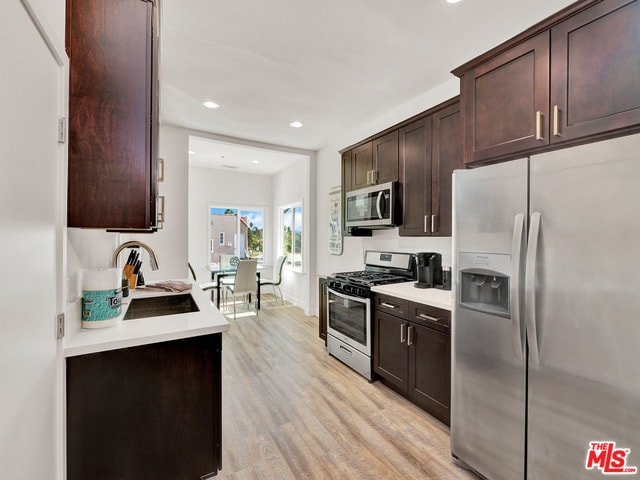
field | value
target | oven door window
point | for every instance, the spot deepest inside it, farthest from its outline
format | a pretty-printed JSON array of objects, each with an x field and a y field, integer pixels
[{"x": 349, "y": 316}]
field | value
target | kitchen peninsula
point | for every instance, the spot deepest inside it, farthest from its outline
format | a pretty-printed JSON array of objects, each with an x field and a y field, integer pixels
[{"x": 144, "y": 396}]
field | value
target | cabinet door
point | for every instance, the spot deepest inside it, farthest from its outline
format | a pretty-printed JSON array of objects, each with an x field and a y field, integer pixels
[
  {"x": 429, "y": 370},
  {"x": 390, "y": 349},
  {"x": 447, "y": 156},
  {"x": 415, "y": 176},
  {"x": 346, "y": 187},
  {"x": 595, "y": 68},
  {"x": 506, "y": 102},
  {"x": 322, "y": 307},
  {"x": 151, "y": 411},
  {"x": 111, "y": 126},
  {"x": 361, "y": 165},
  {"x": 385, "y": 152}
]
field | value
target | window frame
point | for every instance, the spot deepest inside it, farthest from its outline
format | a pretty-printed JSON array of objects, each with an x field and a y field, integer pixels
[
  {"x": 293, "y": 206},
  {"x": 239, "y": 210}
]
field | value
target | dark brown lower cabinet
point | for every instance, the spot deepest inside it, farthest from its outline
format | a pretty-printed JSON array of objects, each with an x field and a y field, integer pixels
[
  {"x": 322, "y": 300},
  {"x": 152, "y": 411},
  {"x": 412, "y": 353}
]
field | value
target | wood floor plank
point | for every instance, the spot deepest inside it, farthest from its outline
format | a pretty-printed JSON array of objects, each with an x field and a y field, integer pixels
[{"x": 291, "y": 411}]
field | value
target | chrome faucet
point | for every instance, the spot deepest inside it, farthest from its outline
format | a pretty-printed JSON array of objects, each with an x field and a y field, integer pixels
[{"x": 134, "y": 243}]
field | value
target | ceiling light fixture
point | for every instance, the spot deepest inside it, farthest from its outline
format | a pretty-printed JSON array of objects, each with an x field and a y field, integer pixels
[
  {"x": 191, "y": 152},
  {"x": 255, "y": 161},
  {"x": 296, "y": 124},
  {"x": 453, "y": 1},
  {"x": 210, "y": 104}
]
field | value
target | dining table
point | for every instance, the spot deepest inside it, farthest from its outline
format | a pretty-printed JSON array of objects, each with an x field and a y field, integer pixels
[{"x": 218, "y": 272}]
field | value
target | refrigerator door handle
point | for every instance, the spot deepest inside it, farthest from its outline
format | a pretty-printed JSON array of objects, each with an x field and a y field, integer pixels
[
  {"x": 516, "y": 261},
  {"x": 530, "y": 288}
]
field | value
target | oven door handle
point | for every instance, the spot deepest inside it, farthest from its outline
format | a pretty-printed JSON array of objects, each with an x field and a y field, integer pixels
[{"x": 347, "y": 297}]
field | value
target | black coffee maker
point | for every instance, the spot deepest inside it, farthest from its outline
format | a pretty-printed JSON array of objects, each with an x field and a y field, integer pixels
[{"x": 428, "y": 269}]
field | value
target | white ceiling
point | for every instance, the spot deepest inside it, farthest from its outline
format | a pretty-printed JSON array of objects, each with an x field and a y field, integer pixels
[{"x": 332, "y": 64}]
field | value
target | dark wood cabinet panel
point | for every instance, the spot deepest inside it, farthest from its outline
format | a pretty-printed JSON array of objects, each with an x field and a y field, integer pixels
[
  {"x": 430, "y": 370},
  {"x": 390, "y": 349},
  {"x": 322, "y": 308},
  {"x": 595, "y": 65},
  {"x": 385, "y": 158},
  {"x": 361, "y": 166},
  {"x": 415, "y": 176},
  {"x": 412, "y": 352},
  {"x": 152, "y": 411},
  {"x": 505, "y": 101},
  {"x": 112, "y": 48},
  {"x": 446, "y": 157},
  {"x": 430, "y": 150},
  {"x": 572, "y": 78}
]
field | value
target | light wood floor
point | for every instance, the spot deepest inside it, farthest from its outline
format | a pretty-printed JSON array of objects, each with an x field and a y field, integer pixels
[{"x": 290, "y": 411}]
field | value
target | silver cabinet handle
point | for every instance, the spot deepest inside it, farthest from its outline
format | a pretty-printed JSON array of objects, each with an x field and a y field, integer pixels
[
  {"x": 403, "y": 332},
  {"x": 425, "y": 223},
  {"x": 539, "y": 135},
  {"x": 160, "y": 173},
  {"x": 160, "y": 212},
  {"x": 516, "y": 258},
  {"x": 388, "y": 305},
  {"x": 410, "y": 335},
  {"x": 368, "y": 177},
  {"x": 530, "y": 288},
  {"x": 556, "y": 121},
  {"x": 374, "y": 177},
  {"x": 433, "y": 223},
  {"x": 429, "y": 317}
]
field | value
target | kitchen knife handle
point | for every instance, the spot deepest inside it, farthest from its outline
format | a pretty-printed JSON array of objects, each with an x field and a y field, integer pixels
[
  {"x": 530, "y": 288},
  {"x": 517, "y": 340},
  {"x": 410, "y": 335},
  {"x": 403, "y": 332}
]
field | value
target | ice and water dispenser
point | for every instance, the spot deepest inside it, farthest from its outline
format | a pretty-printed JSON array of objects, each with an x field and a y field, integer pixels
[{"x": 484, "y": 282}]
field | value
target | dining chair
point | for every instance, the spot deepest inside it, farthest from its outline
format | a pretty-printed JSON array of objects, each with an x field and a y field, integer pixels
[
  {"x": 276, "y": 280},
  {"x": 244, "y": 282}
]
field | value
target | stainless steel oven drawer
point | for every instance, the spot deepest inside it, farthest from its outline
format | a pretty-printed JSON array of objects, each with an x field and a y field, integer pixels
[{"x": 349, "y": 355}]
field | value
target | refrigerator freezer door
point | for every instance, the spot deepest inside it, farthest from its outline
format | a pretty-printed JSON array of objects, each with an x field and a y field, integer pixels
[
  {"x": 585, "y": 385},
  {"x": 488, "y": 370}
]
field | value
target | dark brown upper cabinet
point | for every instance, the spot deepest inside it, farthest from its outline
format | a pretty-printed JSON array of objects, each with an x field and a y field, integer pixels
[
  {"x": 573, "y": 77},
  {"x": 430, "y": 149},
  {"x": 113, "y": 121},
  {"x": 374, "y": 162}
]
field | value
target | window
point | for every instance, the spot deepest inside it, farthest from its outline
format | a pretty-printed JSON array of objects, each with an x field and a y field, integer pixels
[
  {"x": 238, "y": 231},
  {"x": 291, "y": 235}
]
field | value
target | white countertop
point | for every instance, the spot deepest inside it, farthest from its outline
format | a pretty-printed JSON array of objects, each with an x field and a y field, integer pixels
[
  {"x": 142, "y": 331},
  {"x": 428, "y": 296}
]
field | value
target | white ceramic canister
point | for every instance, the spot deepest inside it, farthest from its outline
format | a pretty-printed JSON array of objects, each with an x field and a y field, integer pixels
[{"x": 101, "y": 297}]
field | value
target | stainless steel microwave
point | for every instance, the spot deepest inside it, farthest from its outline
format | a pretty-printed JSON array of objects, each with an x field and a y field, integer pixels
[{"x": 371, "y": 207}]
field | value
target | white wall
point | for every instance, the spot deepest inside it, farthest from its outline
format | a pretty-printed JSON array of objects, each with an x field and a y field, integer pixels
[
  {"x": 33, "y": 96},
  {"x": 290, "y": 186},
  {"x": 218, "y": 187},
  {"x": 328, "y": 176}
]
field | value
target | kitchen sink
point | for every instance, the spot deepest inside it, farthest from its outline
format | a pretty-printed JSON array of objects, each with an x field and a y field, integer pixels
[{"x": 160, "y": 306}]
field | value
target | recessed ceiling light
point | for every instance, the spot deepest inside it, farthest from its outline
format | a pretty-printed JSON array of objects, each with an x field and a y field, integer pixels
[
  {"x": 296, "y": 124},
  {"x": 210, "y": 104},
  {"x": 255, "y": 161},
  {"x": 191, "y": 152},
  {"x": 454, "y": 1}
]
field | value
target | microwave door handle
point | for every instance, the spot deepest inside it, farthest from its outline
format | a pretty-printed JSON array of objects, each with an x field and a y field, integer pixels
[{"x": 379, "y": 205}]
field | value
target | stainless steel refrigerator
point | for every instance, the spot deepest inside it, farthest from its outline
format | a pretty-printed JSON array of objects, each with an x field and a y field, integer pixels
[{"x": 546, "y": 317}]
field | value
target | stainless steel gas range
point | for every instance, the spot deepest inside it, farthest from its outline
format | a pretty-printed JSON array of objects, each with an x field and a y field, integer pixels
[{"x": 349, "y": 318}]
